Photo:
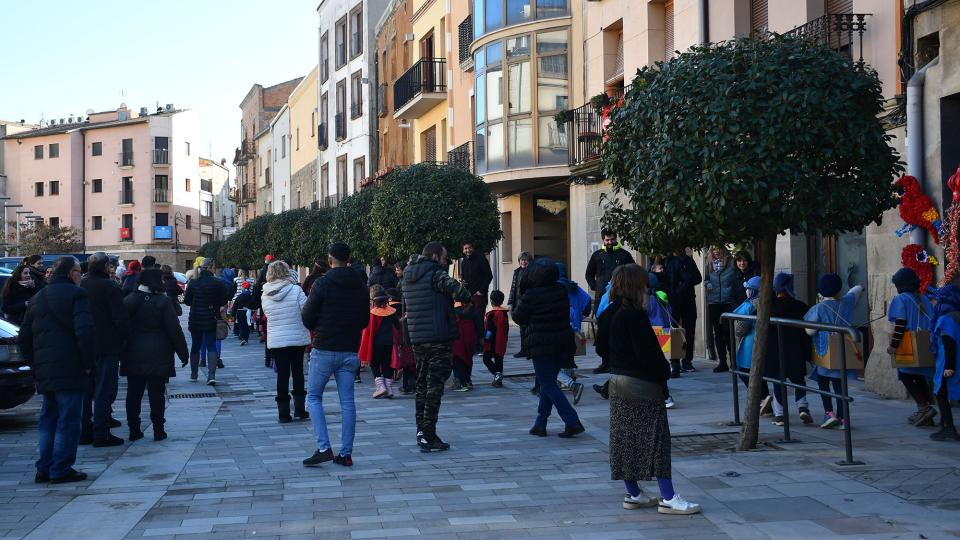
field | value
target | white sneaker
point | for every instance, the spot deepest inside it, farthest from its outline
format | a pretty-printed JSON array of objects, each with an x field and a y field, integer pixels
[
  {"x": 678, "y": 506},
  {"x": 766, "y": 406},
  {"x": 640, "y": 501},
  {"x": 669, "y": 402}
]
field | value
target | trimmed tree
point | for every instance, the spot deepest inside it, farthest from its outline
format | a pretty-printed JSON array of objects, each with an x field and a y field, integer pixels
[
  {"x": 311, "y": 237},
  {"x": 426, "y": 202},
  {"x": 739, "y": 142},
  {"x": 246, "y": 247},
  {"x": 280, "y": 233},
  {"x": 211, "y": 249},
  {"x": 351, "y": 225}
]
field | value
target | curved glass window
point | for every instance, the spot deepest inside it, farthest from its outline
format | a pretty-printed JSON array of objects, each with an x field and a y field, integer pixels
[
  {"x": 490, "y": 15},
  {"x": 494, "y": 15},
  {"x": 519, "y": 11}
]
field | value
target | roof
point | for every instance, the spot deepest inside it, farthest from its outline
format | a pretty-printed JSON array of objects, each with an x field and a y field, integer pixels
[{"x": 86, "y": 125}]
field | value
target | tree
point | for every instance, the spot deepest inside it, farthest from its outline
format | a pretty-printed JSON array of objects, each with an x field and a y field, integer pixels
[
  {"x": 311, "y": 237},
  {"x": 427, "y": 202},
  {"x": 280, "y": 233},
  {"x": 211, "y": 249},
  {"x": 42, "y": 238},
  {"x": 246, "y": 247},
  {"x": 351, "y": 225},
  {"x": 741, "y": 141}
]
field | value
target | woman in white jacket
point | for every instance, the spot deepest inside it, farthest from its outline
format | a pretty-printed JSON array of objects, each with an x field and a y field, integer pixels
[{"x": 287, "y": 337}]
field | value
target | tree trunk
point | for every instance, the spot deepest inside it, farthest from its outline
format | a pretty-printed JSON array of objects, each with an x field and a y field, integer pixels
[{"x": 751, "y": 425}]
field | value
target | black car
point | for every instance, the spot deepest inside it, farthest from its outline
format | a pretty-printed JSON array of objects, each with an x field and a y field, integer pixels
[
  {"x": 10, "y": 263},
  {"x": 16, "y": 376}
]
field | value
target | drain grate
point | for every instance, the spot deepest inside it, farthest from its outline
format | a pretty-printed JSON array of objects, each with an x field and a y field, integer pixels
[
  {"x": 193, "y": 396},
  {"x": 697, "y": 444}
]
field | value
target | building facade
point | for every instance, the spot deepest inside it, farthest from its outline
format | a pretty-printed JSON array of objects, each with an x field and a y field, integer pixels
[
  {"x": 217, "y": 189},
  {"x": 394, "y": 35},
  {"x": 265, "y": 171},
  {"x": 280, "y": 139},
  {"x": 304, "y": 178},
  {"x": 346, "y": 69}
]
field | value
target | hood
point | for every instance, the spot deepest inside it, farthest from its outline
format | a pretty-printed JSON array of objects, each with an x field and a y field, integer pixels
[
  {"x": 345, "y": 277},
  {"x": 228, "y": 274},
  {"x": 419, "y": 266},
  {"x": 545, "y": 272},
  {"x": 277, "y": 290},
  {"x": 572, "y": 286}
]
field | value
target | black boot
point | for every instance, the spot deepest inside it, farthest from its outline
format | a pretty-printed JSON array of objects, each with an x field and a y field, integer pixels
[
  {"x": 135, "y": 432},
  {"x": 158, "y": 433},
  {"x": 675, "y": 369},
  {"x": 299, "y": 408},
  {"x": 283, "y": 410}
]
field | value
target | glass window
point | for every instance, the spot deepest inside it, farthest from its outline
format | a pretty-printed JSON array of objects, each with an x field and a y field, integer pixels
[
  {"x": 519, "y": 88},
  {"x": 481, "y": 150},
  {"x": 551, "y": 42},
  {"x": 495, "y": 94},
  {"x": 481, "y": 100},
  {"x": 552, "y": 90},
  {"x": 494, "y": 54},
  {"x": 518, "y": 47},
  {"x": 519, "y": 11},
  {"x": 520, "y": 139},
  {"x": 551, "y": 8},
  {"x": 495, "y": 147},
  {"x": 553, "y": 141},
  {"x": 494, "y": 15},
  {"x": 477, "y": 19}
]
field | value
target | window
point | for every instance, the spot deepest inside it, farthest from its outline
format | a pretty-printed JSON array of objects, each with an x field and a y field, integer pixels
[
  {"x": 359, "y": 174},
  {"x": 283, "y": 203},
  {"x": 283, "y": 146},
  {"x": 55, "y": 222},
  {"x": 96, "y": 149},
  {"x": 38, "y": 151},
  {"x": 206, "y": 209},
  {"x": 324, "y": 57},
  {"x": 298, "y": 139},
  {"x": 519, "y": 11},
  {"x": 506, "y": 220},
  {"x": 758, "y": 16},
  {"x": 490, "y": 15},
  {"x": 552, "y": 95},
  {"x": 161, "y": 150},
  {"x": 126, "y": 190},
  {"x": 188, "y": 148},
  {"x": 54, "y": 150},
  {"x": 97, "y": 185},
  {"x": 54, "y": 187},
  {"x": 38, "y": 189},
  {"x": 428, "y": 144},
  {"x": 668, "y": 30},
  {"x": 126, "y": 153},
  {"x": 313, "y": 128},
  {"x": 341, "y": 42},
  {"x": 162, "y": 219},
  {"x": 97, "y": 223},
  {"x": 342, "y": 176},
  {"x": 126, "y": 221},
  {"x": 356, "y": 95},
  {"x": 325, "y": 180},
  {"x": 188, "y": 221},
  {"x": 356, "y": 31},
  {"x": 187, "y": 184}
]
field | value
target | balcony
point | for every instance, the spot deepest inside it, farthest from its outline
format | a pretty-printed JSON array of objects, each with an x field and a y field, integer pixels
[
  {"x": 461, "y": 157},
  {"x": 356, "y": 110},
  {"x": 162, "y": 196},
  {"x": 331, "y": 201},
  {"x": 161, "y": 156},
  {"x": 465, "y": 38},
  {"x": 382, "y": 108},
  {"x": 315, "y": 205},
  {"x": 126, "y": 234},
  {"x": 249, "y": 193},
  {"x": 323, "y": 138},
  {"x": 206, "y": 185},
  {"x": 340, "y": 126},
  {"x": 584, "y": 134},
  {"x": 248, "y": 148},
  {"x": 421, "y": 88},
  {"x": 125, "y": 160},
  {"x": 233, "y": 195},
  {"x": 836, "y": 31},
  {"x": 125, "y": 196}
]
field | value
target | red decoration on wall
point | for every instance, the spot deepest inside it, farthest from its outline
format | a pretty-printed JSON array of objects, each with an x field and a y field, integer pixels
[
  {"x": 916, "y": 209},
  {"x": 914, "y": 257},
  {"x": 952, "y": 250}
]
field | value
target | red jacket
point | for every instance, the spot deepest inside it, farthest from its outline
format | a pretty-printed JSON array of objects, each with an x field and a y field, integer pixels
[
  {"x": 465, "y": 345},
  {"x": 377, "y": 316},
  {"x": 497, "y": 323}
]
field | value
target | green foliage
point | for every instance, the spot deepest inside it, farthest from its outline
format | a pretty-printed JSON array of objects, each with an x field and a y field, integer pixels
[
  {"x": 426, "y": 203},
  {"x": 311, "y": 236},
  {"x": 351, "y": 224},
  {"x": 42, "y": 238},
  {"x": 736, "y": 140},
  {"x": 211, "y": 249},
  {"x": 280, "y": 233},
  {"x": 246, "y": 247}
]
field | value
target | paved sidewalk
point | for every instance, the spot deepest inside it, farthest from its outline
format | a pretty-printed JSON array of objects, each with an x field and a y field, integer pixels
[{"x": 229, "y": 470}]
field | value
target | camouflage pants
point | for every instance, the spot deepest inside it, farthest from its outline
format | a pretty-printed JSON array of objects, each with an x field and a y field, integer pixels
[{"x": 434, "y": 362}]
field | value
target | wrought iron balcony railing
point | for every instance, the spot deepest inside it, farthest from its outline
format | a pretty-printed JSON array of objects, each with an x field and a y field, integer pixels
[
  {"x": 465, "y": 38},
  {"x": 249, "y": 193},
  {"x": 126, "y": 196},
  {"x": 429, "y": 75},
  {"x": 836, "y": 31},
  {"x": 161, "y": 156},
  {"x": 162, "y": 196},
  {"x": 125, "y": 159},
  {"x": 461, "y": 157},
  {"x": 584, "y": 134},
  {"x": 323, "y": 137},
  {"x": 340, "y": 126}
]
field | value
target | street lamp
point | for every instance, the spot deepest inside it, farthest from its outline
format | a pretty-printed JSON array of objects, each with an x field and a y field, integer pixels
[
  {"x": 6, "y": 234},
  {"x": 27, "y": 214}
]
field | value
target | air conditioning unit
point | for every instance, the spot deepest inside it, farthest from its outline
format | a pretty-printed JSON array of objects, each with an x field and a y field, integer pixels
[
  {"x": 409, "y": 36},
  {"x": 169, "y": 107}
]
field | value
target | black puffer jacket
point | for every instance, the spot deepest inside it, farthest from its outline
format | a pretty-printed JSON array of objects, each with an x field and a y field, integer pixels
[
  {"x": 155, "y": 336},
  {"x": 58, "y": 338},
  {"x": 172, "y": 289},
  {"x": 205, "y": 295},
  {"x": 109, "y": 317},
  {"x": 15, "y": 301},
  {"x": 545, "y": 310},
  {"x": 383, "y": 276},
  {"x": 337, "y": 310}
]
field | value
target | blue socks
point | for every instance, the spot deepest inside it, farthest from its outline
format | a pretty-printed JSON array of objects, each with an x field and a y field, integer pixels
[
  {"x": 666, "y": 488},
  {"x": 633, "y": 488}
]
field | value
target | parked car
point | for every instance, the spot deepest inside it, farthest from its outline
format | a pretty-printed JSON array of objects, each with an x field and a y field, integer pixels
[
  {"x": 16, "y": 376},
  {"x": 10, "y": 263}
]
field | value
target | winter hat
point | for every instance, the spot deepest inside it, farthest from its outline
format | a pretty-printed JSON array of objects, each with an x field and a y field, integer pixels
[
  {"x": 829, "y": 285},
  {"x": 268, "y": 258},
  {"x": 906, "y": 280},
  {"x": 752, "y": 283},
  {"x": 783, "y": 283}
]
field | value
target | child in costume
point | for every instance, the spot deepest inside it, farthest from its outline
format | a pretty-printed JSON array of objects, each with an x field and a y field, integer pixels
[
  {"x": 909, "y": 311},
  {"x": 405, "y": 367},
  {"x": 378, "y": 345},
  {"x": 746, "y": 333},
  {"x": 496, "y": 328},
  {"x": 464, "y": 347},
  {"x": 242, "y": 311},
  {"x": 946, "y": 336}
]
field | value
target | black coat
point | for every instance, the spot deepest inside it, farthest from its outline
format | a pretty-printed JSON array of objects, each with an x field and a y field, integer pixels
[
  {"x": 155, "y": 336},
  {"x": 172, "y": 289},
  {"x": 601, "y": 266},
  {"x": 383, "y": 277},
  {"x": 129, "y": 284},
  {"x": 337, "y": 310},
  {"x": 476, "y": 274},
  {"x": 545, "y": 311},
  {"x": 518, "y": 285},
  {"x": 206, "y": 295},
  {"x": 39, "y": 277},
  {"x": 109, "y": 316},
  {"x": 796, "y": 343},
  {"x": 58, "y": 337},
  {"x": 632, "y": 348},
  {"x": 15, "y": 301},
  {"x": 683, "y": 276}
]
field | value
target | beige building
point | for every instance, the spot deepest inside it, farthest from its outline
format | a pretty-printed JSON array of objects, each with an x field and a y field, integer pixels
[{"x": 304, "y": 178}]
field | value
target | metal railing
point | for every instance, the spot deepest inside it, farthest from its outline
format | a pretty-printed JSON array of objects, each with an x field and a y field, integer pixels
[
  {"x": 836, "y": 31},
  {"x": 584, "y": 135},
  {"x": 125, "y": 159},
  {"x": 126, "y": 196},
  {"x": 323, "y": 138},
  {"x": 315, "y": 205},
  {"x": 249, "y": 192},
  {"x": 341, "y": 54},
  {"x": 356, "y": 110},
  {"x": 461, "y": 157},
  {"x": 233, "y": 194},
  {"x": 162, "y": 195},
  {"x": 248, "y": 148},
  {"x": 382, "y": 109},
  {"x": 426, "y": 76},
  {"x": 161, "y": 156},
  {"x": 465, "y": 38},
  {"x": 340, "y": 126},
  {"x": 784, "y": 382},
  {"x": 331, "y": 201}
]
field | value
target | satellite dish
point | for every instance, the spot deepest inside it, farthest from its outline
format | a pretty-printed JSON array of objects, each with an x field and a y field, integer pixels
[
  {"x": 123, "y": 105},
  {"x": 90, "y": 111}
]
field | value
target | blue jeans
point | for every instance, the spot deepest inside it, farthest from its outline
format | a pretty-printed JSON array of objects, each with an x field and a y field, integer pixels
[
  {"x": 546, "y": 370},
  {"x": 59, "y": 429},
  {"x": 206, "y": 341},
  {"x": 342, "y": 366}
]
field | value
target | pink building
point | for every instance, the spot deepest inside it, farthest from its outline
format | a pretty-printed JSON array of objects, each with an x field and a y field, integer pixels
[{"x": 130, "y": 184}]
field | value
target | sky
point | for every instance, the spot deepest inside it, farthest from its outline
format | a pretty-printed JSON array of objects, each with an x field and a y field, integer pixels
[{"x": 63, "y": 57}]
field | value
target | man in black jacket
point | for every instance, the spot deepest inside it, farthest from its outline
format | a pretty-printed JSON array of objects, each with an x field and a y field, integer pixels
[
  {"x": 600, "y": 270},
  {"x": 58, "y": 338},
  {"x": 428, "y": 295},
  {"x": 337, "y": 310},
  {"x": 111, "y": 323},
  {"x": 476, "y": 276},
  {"x": 683, "y": 277}
]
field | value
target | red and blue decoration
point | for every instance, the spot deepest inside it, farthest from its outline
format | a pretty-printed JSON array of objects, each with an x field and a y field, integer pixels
[{"x": 916, "y": 209}]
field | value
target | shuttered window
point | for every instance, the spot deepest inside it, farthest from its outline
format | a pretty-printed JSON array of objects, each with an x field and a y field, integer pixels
[
  {"x": 838, "y": 6},
  {"x": 668, "y": 29},
  {"x": 758, "y": 15}
]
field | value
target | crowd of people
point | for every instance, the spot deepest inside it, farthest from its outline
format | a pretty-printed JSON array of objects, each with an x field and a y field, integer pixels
[{"x": 415, "y": 324}]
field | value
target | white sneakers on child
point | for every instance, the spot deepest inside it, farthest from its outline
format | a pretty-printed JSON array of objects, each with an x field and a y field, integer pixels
[
  {"x": 640, "y": 501},
  {"x": 678, "y": 506}
]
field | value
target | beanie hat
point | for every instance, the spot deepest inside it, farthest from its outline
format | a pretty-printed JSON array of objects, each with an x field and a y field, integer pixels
[
  {"x": 829, "y": 285},
  {"x": 783, "y": 283},
  {"x": 268, "y": 258},
  {"x": 752, "y": 283},
  {"x": 906, "y": 280}
]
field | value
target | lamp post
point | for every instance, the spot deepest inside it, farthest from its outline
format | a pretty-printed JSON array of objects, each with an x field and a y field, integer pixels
[
  {"x": 19, "y": 212},
  {"x": 6, "y": 234}
]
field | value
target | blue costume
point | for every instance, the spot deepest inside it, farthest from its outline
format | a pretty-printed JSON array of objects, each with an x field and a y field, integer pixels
[
  {"x": 745, "y": 347},
  {"x": 947, "y": 323},
  {"x": 832, "y": 311},
  {"x": 918, "y": 312}
]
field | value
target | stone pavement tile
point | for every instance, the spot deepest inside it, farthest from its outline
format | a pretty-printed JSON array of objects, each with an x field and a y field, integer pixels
[
  {"x": 851, "y": 486},
  {"x": 793, "y": 530},
  {"x": 798, "y": 489},
  {"x": 111, "y": 515},
  {"x": 385, "y": 533},
  {"x": 742, "y": 531},
  {"x": 858, "y": 526},
  {"x": 744, "y": 493},
  {"x": 164, "y": 531},
  {"x": 772, "y": 509}
]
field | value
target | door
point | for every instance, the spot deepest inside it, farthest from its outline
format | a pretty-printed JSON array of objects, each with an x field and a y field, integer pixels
[{"x": 426, "y": 65}]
